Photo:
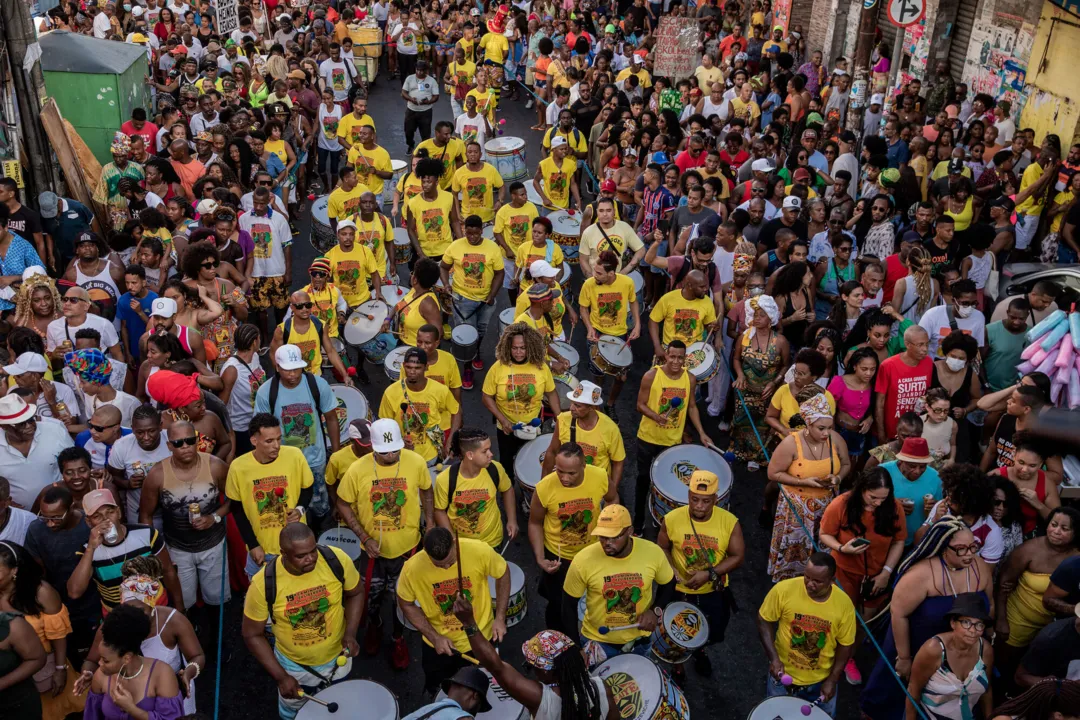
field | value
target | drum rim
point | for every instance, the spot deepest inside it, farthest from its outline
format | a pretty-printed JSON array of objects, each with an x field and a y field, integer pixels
[
  {"x": 609, "y": 340},
  {"x": 517, "y": 475},
  {"x": 675, "y": 607},
  {"x": 630, "y": 660},
  {"x": 466, "y": 329},
  {"x": 504, "y": 139},
  {"x": 725, "y": 476},
  {"x": 353, "y": 688}
]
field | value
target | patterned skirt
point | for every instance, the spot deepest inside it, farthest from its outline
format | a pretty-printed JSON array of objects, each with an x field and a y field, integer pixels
[{"x": 791, "y": 547}]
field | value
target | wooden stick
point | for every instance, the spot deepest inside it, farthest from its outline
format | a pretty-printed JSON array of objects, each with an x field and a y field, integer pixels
[{"x": 457, "y": 546}]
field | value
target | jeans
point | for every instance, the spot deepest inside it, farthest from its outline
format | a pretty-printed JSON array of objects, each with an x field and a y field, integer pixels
[
  {"x": 472, "y": 312},
  {"x": 773, "y": 688},
  {"x": 415, "y": 121}
]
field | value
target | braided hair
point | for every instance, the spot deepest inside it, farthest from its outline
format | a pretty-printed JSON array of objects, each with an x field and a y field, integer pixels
[
  {"x": 1043, "y": 700},
  {"x": 535, "y": 350},
  {"x": 920, "y": 266},
  {"x": 466, "y": 439},
  {"x": 580, "y": 698},
  {"x": 246, "y": 336},
  {"x": 933, "y": 544},
  {"x": 148, "y": 565}
]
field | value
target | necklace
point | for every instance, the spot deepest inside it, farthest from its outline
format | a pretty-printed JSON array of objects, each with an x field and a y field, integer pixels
[{"x": 132, "y": 677}]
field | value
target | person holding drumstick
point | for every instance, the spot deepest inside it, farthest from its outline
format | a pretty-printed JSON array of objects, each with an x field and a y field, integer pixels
[
  {"x": 420, "y": 306},
  {"x": 513, "y": 228},
  {"x": 554, "y": 178},
  {"x": 375, "y": 231},
  {"x": 352, "y": 264},
  {"x": 596, "y": 433},
  {"x": 542, "y": 299},
  {"x": 545, "y": 273},
  {"x": 380, "y": 498},
  {"x": 687, "y": 314},
  {"x": 418, "y": 406},
  {"x": 704, "y": 543},
  {"x": 371, "y": 161},
  {"x": 607, "y": 301}
]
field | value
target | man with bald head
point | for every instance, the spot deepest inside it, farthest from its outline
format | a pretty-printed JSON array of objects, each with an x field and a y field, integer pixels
[
  {"x": 901, "y": 381},
  {"x": 304, "y": 330},
  {"x": 686, "y": 314},
  {"x": 98, "y": 439},
  {"x": 188, "y": 168}
]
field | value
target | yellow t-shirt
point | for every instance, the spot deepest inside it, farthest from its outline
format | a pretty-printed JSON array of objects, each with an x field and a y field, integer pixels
[
  {"x": 411, "y": 319},
  {"x": 557, "y": 179},
  {"x": 661, "y": 394},
  {"x": 366, "y": 163},
  {"x": 422, "y": 422},
  {"x": 748, "y": 111},
  {"x": 1062, "y": 198},
  {"x": 602, "y": 445},
  {"x": 686, "y": 551},
  {"x": 683, "y": 319},
  {"x": 785, "y": 402},
  {"x": 309, "y": 609},
  {"x": 474, "y": 511},
  {"x": 446, "y": 372},
  {"x": 571, "y": 513},
  {"x": 808, "y": 631},
  {"x": 620, "y": 238},
  {"x": 549, "y": 330},
  {"x": 343, "y": 203},
  {"x": 326, "y": 306},
  {"x": 469, "y": 46},
  {"x": 616, "y": 590},
  {"x": 268, "y": 491},
  {"x": 942, "y": 169},
  {"x": 309, "y": 342},
  {"x": 339, "y": 463},
  {"x": 575, "y": 139},
  {"x": 349, "y": 127},
  {"x": 642, "y": 75},
  {"x": 707, "y": 76},
  {"x": 408, "y": 190},
  {"x": 386, "y": 500},
  {"x": 527, "y": 252},
  {"x": 1034, "y": 204},
  {"x": 477, "y": 188},
  {"x": 558, "y": 309},
  {"x": 485, "y": 103},
  {"x": 518, "y": 389},
  {"x": 375, "y": 235},
  {"x": 609, "y": 305},
  {"x": 433, "y": 222},
  {"x": 515, "y": 224},
  {"x": 163, "y": 235},
  {"x": 495, "y": 47},
  {"x": 435, "y": 588},
  {"x": 454, "y": 151},
  {"x": 463, "y": 75},
  {"x": 351, "y": 270},
  {"x": 473, "y": 267}
]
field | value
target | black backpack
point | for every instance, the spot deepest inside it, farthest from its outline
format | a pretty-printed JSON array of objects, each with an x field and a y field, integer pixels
[
  {"x": 270, "y": 576},
  {"x": 455, "y": 469},
  {"x": 287, "y": 330},
  {"x": 687, "y": 266}
]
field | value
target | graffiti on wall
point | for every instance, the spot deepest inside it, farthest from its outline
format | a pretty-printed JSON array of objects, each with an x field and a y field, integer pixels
[{"x": 998, "y": 58}]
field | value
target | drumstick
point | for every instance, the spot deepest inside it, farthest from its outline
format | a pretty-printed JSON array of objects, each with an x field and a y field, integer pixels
[
  {"x": 457, "y": 545},
  {"x": 330, "y": 706},
  {"x": 505, "y": 545},
  {"x": 470, "y": 658},
  {"x": 604, "y": 629}
]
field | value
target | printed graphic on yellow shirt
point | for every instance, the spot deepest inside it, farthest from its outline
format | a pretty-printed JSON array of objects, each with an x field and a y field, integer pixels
[
  {"x": 307, "y": 350},
  {"x": 306, "y": 611},
  {"x": 557, "y": 183},
  {"x": 473, "y": 265},
  {"x": 444, "y": 594},
  {"x": 433, "y": 221},
  {"x": 672, "y": 403},
  {"x": 475, "y": 191},
  {"x": 469, "y": 507},
  {"x": 351, "y": 206},
  {"x": 337, "y": 78},
  {"x": 519, "y": 228},
  {"x": 520, "y": 390},
  {"x": 609, "y": 305},
  {"x": 348, "y": 275},
  {"x": 590, "y": 450},
  {"x": 574, "y": 519},
  {"x": 371, "y": 239},
  {"x": 686, "y": 321},
  {"x": 271, "y": 500},
  {"x": 622, "y": 593},
  {"x": 809, "y": 636},
  {"x": 261, "y": 236},
  {"x": 329, "y": 125},
  {"x": 388, "y": 497},
  {"x": 698, "y": 558},
  {"x": 298, "y": 425}
]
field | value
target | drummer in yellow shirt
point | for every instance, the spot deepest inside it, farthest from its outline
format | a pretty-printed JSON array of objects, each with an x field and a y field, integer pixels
[
  {"x": 616, "y": 577},
  {"x": 513, "y": 226},
  {"x": 330, "y": 306},
  {"x": 418, "y": 405},
  {"x": 442, "y": 367},
  {"x": 554, "y": 178},
  {"x": 541, "y": 271},
  {"x": 433, "y": 214},
  {"x": 540, "y": 247},
  {"x": 473, "y": 509},
  {"x": 359, "y": 445},
  {"x": 348, "y": 129},
  {"x": 607, "y": 300},
  {"x": 477, "y": 181},
  {"x": 351, "y": 264},
  {"x": 344, "y": 200},
  {"x": 637, "y": 68},
  {"x": 374, "y": 231},
  {"x": 596, "y": 434},
  {"x": 448, "y": 150},
  {"x": 704, "y": 543},
  {"x": 542, "y": 299},
  {"x": 687, "y": 314},
  {"x": 408, "y": 186},
  {"x": 371, "y": 161},
  {"x": 309, "y": 335},
  {"x": 566, "y": 130}
]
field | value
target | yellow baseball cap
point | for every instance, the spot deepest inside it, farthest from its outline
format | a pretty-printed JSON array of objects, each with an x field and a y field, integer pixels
[
  {"x": 612, "y": 521},
  {"x": 704, "y": 482}
]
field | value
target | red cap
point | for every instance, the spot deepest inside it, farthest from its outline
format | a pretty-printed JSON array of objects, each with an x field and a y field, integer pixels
[
  {"x": 607, "y": 186},
  {"x": 801, "y": 174}
]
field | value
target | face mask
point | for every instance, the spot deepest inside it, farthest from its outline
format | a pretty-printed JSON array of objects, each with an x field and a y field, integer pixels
[
  {"x": 964, "y": 311},
  {"x": 127, "y": 8},
  {"x": 755, "y": 291},
  {"x": 955, "y": 364}
]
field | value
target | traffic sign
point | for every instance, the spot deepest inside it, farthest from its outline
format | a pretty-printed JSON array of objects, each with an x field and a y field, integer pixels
[
  {"x": 903, "y": 13},
  {"x": 869, "y": 4}
]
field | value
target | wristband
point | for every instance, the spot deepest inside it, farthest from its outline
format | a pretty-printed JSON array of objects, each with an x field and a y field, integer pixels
[{"x": 887, "y": 569}]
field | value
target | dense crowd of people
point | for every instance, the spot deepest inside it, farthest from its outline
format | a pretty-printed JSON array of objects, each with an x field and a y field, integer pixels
[{"x": 183, "y": 417}]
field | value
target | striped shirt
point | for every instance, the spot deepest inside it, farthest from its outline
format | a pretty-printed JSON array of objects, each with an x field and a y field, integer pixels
[{"x": 140, "y": 540}]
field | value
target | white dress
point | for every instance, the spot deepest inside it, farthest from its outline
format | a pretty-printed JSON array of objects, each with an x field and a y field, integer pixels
[{"x": 155, "y": 649}]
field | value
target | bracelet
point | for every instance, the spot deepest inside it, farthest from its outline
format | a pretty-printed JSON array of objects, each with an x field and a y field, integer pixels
[
  {"x": 887, "y": 569},
  {"x": 61, "y": 667},
  {"x": 198, "y": 668}
]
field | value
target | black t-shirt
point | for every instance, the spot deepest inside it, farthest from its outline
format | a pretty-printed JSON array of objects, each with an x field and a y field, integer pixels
[
  {"x": 939, "y": 257},
  {"x": 1073, "y": 216},
  {"x": 767, "y": 236},
  {"x": 585, "y": 114},
  {"x": 1067, "y": 577},
  {"x": 637, "y": 15},
  {"x": 1055, "y": 651},
  {"x": 57, "y": 552},
  {"x": 25, "y": 222}
]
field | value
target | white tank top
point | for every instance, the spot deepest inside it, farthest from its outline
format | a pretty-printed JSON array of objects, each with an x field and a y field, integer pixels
[
  {"x": 155, "y": 649},
  {"x": 909, "y": 307},
  {"x": 101, "y": 286},
  {"x": 708, "y": 109},
  {"x": 980, "y": 269},
  {"x": 551, "y": 704}
]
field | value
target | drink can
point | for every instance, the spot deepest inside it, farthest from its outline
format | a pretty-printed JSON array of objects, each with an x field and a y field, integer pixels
[
  {"x": 928, "y": 498},
  {"x": 194, "y": 513}
]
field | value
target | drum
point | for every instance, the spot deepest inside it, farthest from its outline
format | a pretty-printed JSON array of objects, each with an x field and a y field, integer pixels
[
  {"x": 322, "y": 237},
  {"x": 702, "y": 361},
  {"x": 344, "y": 539},
  {"x": 401, "y": 617},
  {"x": 398, "y": 167},
  {"x": 393, "y": 361},
  {"x": 639, "y": 283},
  {"x": 506, "y": 319},
  {"x": 356, "y": 700},
  {"x": 507, "y": 154},
  {"x": 671, "y": 471},
  {"x": 786, "y": 708},
  {"x": 564, "y": 282},
  {"x": 565, "y": 383},
  {"x": 681, "y": 632},
  {"x": 566, "y": 232},
  {"x": 534, "y": 194},
  {"x": 392, "y": 294},
  {"x": 503, "y": 707},
  {"x": 568, "y": 352},
  {"x": 403, "y": 250},
  {"x": 351, "y": 405},
  {"x": 611, "y": 354},
  {"x": 365, "y": 322},
  {"x": 642, "y": 690},
  {"x": 527, "y": 468},
  {"x": 466, "y": 340},
  {"x": 518, "y": 604},
  {"x": 338, "y": 347}
]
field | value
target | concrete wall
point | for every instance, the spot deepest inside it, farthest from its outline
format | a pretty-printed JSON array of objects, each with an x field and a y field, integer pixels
[{"x": 1052, "y": 92}]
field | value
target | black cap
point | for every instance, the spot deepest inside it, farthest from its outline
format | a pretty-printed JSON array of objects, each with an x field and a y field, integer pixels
[
  {"x": 967, "y": 604},
  {"x": 1003, "y": 201},
  {"x": 474, "y": 679},
  {"x": 956, "y": 166},
  {"x": 848, "y": 137},
  {"x": 415, "y": 354}
]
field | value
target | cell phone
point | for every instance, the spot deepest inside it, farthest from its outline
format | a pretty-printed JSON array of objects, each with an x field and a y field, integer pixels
[{"x": 859, "y": 542}]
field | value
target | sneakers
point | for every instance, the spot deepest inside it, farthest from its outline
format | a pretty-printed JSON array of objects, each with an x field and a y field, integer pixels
[
  {"x": 477, "y": 364},
  {"x": 529, "y": 105},
  {"x": 467, "y": 379},
  {"x": 752, "y": 466},
  {"x": 852, "y": 674},
  {"x": 399, "y": 654},
  {"x": 723, "y": 426},
  {"x": 702, "y": 664},
  {"x": 373, "y": 637}
]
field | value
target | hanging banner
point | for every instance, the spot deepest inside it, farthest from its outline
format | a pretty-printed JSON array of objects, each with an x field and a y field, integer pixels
[
  {"x": 228, "y": 19},
  {"x": 781, "y": 16},
  {"x": 677, "y": 53}
]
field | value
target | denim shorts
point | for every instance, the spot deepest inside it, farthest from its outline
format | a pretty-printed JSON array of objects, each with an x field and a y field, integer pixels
[{"x": 856, "y": 441}]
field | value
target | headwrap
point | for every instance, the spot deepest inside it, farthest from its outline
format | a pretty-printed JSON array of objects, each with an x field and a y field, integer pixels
[
  {"x": 321, "y": 264},
  {"x": 121, "y": 144},
  {"x": 815, "y": 408},
  {"x": 173, "y": 389},
  {"x": 889, "y": 177},
  {"x": 761, "y": 302},
  {"x": 742, "y": 263},
  {"x": 31, "y": 282},
  {"x": 143, "y": 588},
  {"x": 90, "y": 364},
  {"x": 541, "y": 649}
]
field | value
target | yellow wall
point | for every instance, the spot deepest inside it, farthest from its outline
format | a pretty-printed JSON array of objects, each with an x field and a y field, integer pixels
[{"x": 1053, "y": 104}]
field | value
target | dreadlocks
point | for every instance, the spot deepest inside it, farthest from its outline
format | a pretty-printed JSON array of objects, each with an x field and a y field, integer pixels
[
  {"x": 920, "y": 264},
  {"x": 580, "y": 699},
  {"x": 24, "y": 314},
  {"x": 535, "y": 350},
  {"x": 933, "y": 543},
  {"x": 1043, "y": 700}
]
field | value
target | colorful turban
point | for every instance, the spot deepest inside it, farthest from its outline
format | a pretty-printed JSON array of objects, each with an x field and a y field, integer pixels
[
  {"x": 319, "y": 264},
  {"x": 761, "y": 302},
  {"x": 121, "y": 144},
  {"x": 889, "y": 177},
  {"x": 90, "y": 364},
  {"x": 541, "y": 649},
  {"x": 742, "y": 263},
  {"x": 173, "y": 389},
  {"x": 143, "y": 588},
  {"x": 816, "y": 408}
]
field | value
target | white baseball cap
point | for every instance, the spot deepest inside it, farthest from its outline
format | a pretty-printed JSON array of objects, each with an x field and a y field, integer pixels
[
  {"x": 288, "y": 357},
  {"x": 792, "y": 203},
  {"x": 878, "y": 99},
  {"x": 386, "y": 436},
  {"x": 206, "y": 206},
  {"x": 138, "y": 11},
  {"x": 27, "y": 362},
  {"x": 542, "y": 269},
  {"x": 345, "y": 224},
  {"x": 163, "y": 307},
  {"x": 557, "y": 141},
  {"x": 762, "y": 165}
]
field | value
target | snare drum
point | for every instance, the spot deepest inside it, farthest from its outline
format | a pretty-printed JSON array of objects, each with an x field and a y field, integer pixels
[
  {"x": 344, "y": 539},
  {"x": 392, "y": 294},
  {"x": 702, "y": 361},
  {"x": 569, "y": 354},
  {"x": 363, "y": 329},
  {"x": 466, "y": 340},
  {"x": 680, "y": 633},
  {"x": 611, "y": 355},
  {"x": 403, "y": 250},
  {"x": 401, "y": 616},
  {"x": 322, "y": 236},
  {"x": 507, "y": 154},
  {"x": 639, "y": 283},
  {"x": 351, "y": 405},
  {"x": 641, "y": 690},
  {"x": 786, "y": 708},
  {"x": 503, "y": 707},
  {"x": 356, "y": 700},
  {"x": 336, "y": 346},
  {"x": 534, "y": 194},
  {"x": 393, "y": 361},
  {"x": 398, "y": 167},
  {"x": 518, "y": 605},
  {"x": 566, "y": 233},
  {"x": 527, "y": 468},
  {"x": 506, "y": 319},
  {"x": 671, "y": 471},
  {"x": 564, "y": 278}
]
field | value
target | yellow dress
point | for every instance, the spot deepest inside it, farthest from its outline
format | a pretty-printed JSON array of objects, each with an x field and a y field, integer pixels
[{"x": 1025, "y": 610}]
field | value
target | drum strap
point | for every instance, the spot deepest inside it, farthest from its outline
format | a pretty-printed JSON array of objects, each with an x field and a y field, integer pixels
[
  {"x": 452, "y": 487},
  {"x": 270, "y": 580},
  {"x": 439, "y": 707},
  {"x": 573, "y": 434},
  {"x": 287, "y": 330}
]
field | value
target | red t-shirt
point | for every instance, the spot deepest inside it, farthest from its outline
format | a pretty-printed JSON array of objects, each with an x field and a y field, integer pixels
[
  {"x": 901, "y": 385},
  {"x": 148, "y": 133},
  {"x": 894, "y": 270},
  {"x": 685, "y": 161}
]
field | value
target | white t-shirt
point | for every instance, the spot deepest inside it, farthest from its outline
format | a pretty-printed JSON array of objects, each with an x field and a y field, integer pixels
[
  {"x": 466, "y": 126},
  {"x": 247, "y": 204},
  {"x": 125, "y": 403},
  {"x": 936, "y": 322},
  {"x": 125, "y": 453},
  {"x": 1006, "y": 129},
  {"x": 59, "y": 330},
  {"x": 17, "y": 524},
  {"x": 407, "y": 41},
  {"x": 63, "y": 395},
  {"x": 242, "y": 398},
  {"x": 102, "y": 26},
  {"x": 338, "y": 76},
  {"x": 271, "y": 235},
  {"x": 334, "y": 116}
]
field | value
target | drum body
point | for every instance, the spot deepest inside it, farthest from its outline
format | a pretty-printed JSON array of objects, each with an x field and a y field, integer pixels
[
  {"x": 507, "y": 155},
  {"x": 506, "y": 319},
  {"x": 639, "y": 283},
  {"x": 351, "y": 405},
  {"x": 337, "y": 346},
  {"x": 564, "y": 281},
  {"x": 398, "y": 167},
  {"x": 527, "y": 468},
  {"x": 681, "y": 632},
  {"x": 503, "y": 707},
  {"x": 322, "y": 236},
  {"x": 566, "y": 233},
  {"x": 641, "y": 690},
  {"x": 518, "y": 604},
  {"x": 671, "y": 471},
  {"x": 393, "y": 361},
  {"x": 702, "y": 361},
  {"x": 567, "y": 351},
  {"x": 564, "y": 384},
  {"x": 611, "y": 354},
  {"x": 401, "y": 617},
  {"x": 344, "y": 539},
  {"x": 403, "y": 250},
  {"x": 356, "y": 699},
  {"x": 465, "y": 340},
  {"x": 786, "y": 708}
]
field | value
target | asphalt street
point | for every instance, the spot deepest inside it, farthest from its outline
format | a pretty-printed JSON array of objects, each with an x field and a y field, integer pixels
[{"x": 738, "y": 680}]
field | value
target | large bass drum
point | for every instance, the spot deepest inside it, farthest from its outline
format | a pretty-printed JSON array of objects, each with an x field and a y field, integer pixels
[
  {"x": 527, "y": 468},
  {"x": 671, "y": 471},
  {"x": 322, "y": 236},
  {"x": 642, "y": 690}
]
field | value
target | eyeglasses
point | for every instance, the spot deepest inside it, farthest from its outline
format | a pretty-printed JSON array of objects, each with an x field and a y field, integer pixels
[
  {"x": 101, "y": 428},
  {"x": 52, "y": 520},
  {"x": 211, "y": 264},
  {"x": 266, "y": 183},
  {"x": 72, "y": 300},
  {"x": 303, "y": 306},
  {"x": 844, "y": 249},
  {"x": 962, "y": 550},
  {"x": 318, "y": 274},
  {"x": 184, "y": 441},
  {"x": 968, "y": 623},
  {"x": 998, "y": 503}
]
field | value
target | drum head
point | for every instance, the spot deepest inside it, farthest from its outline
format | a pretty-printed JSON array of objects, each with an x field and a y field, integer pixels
[
  {"x": 503, "y": 707},
  {"x": 506, "y": 317},
  {"x": 529, "y": 459},
  {"x": 700, "y": 355},
  {"x": 356, "y": 699},
  {"x": 365, "y": 322},
  {"x": 686, "y": 624},
  {"x": 464, "y": 335},
  {"x": 563, "y": 223},
  {"x": 505, "y": 144},
  {"x": 671, "y": 471},
  {"x": 352, "y": 405},
  {"x": 320, "y": 210},
  {"x": 396, "y": 358},
  {"x": 567, "y": 351},
  {"x": 564, "y": 385},
  {"x": 786, "y": 708},
  {"x": 639, "y": 280},
  {"x": 401, "y": 236},
  {"x": 533, "y": 193},
  {"x": 398, "y": 165},
  {"x": 615, "y": 350},
  {"x": 636, "y": 684},
  {"x": 517, "y": 580},
  {"x": 489, "y": 232},
  {"x": 564, "y": 277},
  {"x": 392, "y": 294},
  {"x": 344, "y": 539}
]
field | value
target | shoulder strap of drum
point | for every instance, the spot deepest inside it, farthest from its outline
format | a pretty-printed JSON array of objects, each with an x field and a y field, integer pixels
[
  {"x": 270, "y": 585},
  {"x": 316, "y": 397},
  {"x": 573, "y": 430},
  {"x": 275, "y": 386},
  {"x": 549, "y": 250},
  {"x": 332, "y": 560},
  {"x": 452, "y": 486},
  {"x": 286, "y": 331}
]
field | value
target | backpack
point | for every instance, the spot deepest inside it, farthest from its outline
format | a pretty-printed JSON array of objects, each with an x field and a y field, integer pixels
[
  {"x": 287, "y": 331},
  {"x": 454, "y": 469},
  {"x": 685, "y": 270},
  {"x": 270, "y": 576}
]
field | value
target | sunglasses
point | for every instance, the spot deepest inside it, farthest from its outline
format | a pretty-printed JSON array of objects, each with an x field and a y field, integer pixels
[
  {"x": 101, "y": 428},
  {"x": 318, "y": 274},
  {"x": 72, "y": 299},
  {"x": 844, "y": 249},
  {"x": 999, "y": 503},
  {"x": 184, "y": 441},
  {"x": 303, "y": 306},
  {"x": 215, "y": 263},
  {"x": 266, "y": 183}
]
